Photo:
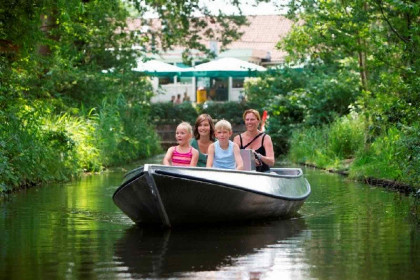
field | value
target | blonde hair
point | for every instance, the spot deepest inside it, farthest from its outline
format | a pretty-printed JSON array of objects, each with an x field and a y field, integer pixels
[
  {"x": 223, "y": 124},
  {"x": 185, "y": 125},
  {"x": 252, "y": 111}
]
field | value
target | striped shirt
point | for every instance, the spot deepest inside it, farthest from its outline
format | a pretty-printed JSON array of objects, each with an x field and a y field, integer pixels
[{"x": 181, "y": 159}]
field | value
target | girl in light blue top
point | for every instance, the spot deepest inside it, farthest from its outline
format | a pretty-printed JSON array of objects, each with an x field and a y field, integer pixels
[{"x": 224, "y": 153}]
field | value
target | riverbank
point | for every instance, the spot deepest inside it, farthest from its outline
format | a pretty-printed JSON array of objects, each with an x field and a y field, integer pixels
[
  {"x": 388, "y": 184},
  {"x": 347, "y": 146}
]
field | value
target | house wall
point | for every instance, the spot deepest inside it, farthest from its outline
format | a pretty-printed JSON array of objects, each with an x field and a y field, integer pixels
[{"x": 165, "y": 92}]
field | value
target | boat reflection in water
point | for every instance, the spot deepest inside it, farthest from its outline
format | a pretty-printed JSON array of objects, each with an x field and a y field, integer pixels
[{"x": 184, "y": 252}]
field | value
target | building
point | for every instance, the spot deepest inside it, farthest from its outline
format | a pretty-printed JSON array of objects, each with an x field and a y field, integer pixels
[{"x": 257, "y": 45}]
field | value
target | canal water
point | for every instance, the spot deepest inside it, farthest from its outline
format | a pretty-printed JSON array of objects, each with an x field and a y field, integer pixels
[{"x": 345, "y": 230}]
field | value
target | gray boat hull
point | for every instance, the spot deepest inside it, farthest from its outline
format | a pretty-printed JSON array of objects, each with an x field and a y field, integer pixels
[{"x": 169, "y": 196}]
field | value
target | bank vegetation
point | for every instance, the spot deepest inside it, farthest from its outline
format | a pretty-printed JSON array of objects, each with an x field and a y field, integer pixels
[{"x": 349, "y": 103}]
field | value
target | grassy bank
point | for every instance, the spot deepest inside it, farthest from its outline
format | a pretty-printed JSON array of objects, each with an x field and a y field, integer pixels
[
  {"x": 351, "y": 146},
  {"x": 39, "y": 145}
]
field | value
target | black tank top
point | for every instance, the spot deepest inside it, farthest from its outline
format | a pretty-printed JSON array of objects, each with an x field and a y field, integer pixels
[{"x": 261, "y": 150}]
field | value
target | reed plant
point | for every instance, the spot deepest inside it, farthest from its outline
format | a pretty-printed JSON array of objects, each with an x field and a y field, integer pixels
[
  {"x": 31, "y": 152},
  {"x": 40, "y": 145},
  {"x": 81, "y": 132},
  {"x": 124, "y": 131},
  {"x": 393, "y": 155},
  {"x": 329, "y": 146}
]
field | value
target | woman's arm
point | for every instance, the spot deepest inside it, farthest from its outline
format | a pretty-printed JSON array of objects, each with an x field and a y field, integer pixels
[
  {"x": 210, "y": 157},
  {"x": 269, "y": 152},
  {"x": 168, "y": 156},
  {"x": 238, "y": 159}
]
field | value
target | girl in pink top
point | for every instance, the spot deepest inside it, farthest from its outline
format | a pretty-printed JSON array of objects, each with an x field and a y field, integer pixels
[{"x": 182, "y": 154}]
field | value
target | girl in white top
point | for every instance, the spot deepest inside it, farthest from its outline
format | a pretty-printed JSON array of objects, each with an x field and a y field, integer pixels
[{"x": 224, "y": 153}]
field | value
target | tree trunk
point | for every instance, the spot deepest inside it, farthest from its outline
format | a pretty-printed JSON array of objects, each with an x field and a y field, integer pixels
[{"x": 362, "y": 63}]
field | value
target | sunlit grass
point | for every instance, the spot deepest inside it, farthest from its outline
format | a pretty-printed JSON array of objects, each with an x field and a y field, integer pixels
[
  {"x": 39, "y": 145},
  {"x": 393, "y": 155}
]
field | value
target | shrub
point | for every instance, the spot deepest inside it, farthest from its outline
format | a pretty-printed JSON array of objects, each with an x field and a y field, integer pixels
[
  {"x": 124, "y": 132},
  {"x": 231, "y": 111},
  {"x": 329, "y": 145},
  {"x": 346, "y": 136},
  {"x": 394, "y": 155},
  {"x": 33, "y": 151},
  {"x": 409, "y": 154},
  {"x": 169, "y": 113},
  {"x": 314, "y": 95},
  {"x": 378, "y": 160}
]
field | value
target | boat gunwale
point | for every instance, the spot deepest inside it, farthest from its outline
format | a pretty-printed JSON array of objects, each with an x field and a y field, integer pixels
[
  {"x": 248, "y": 172},
  {"x": 183, "y": 176},
  {"x": 154, "y": 168}
]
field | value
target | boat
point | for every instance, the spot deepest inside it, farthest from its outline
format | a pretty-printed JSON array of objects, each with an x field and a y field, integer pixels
[{"x": 168, "y": 196}]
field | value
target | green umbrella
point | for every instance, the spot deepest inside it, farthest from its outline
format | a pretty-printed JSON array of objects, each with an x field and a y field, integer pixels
[
  {"x": 157, "y": 68},
  {"x": 224, "y": 67}
]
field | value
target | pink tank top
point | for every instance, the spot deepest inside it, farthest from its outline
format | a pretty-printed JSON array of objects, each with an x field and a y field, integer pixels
[{"x": 181, "y": 159}]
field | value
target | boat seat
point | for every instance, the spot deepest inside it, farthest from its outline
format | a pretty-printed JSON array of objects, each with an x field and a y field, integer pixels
[{"x": 248, "y": 160}]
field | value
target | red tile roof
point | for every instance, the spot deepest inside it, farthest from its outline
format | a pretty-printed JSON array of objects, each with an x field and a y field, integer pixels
[{"x": 261, "y": 35}]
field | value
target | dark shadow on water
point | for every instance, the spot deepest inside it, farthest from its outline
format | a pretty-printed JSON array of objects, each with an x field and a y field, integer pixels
[{"x": 151, "y": 252}]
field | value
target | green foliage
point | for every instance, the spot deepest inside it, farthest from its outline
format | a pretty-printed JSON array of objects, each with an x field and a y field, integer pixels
[
  {"x": 375, "y": 42},
  {"x": 409, "y": 154},
  {"x": 169, "y": 113},
  {"x": 309, "y": 146},
  {"x": 379, "y": 160},
  {"x": 329, "y": 146},
  {"x": 180, "y": 26},
  {"x": 38, "y": 145},
  {"x": 231, "y": 111},
  {"x": 124, "y": 132},
  {"x": 52, "y": 56},
  {"x": 80, "y": 131},
  {"x": 31, "y": 152},
  {"x": 346, "y": 136},
  {"x": 376, "y": 39},
  {"x": 394, "y": 155},
  {"x": 294, "y": 98}
]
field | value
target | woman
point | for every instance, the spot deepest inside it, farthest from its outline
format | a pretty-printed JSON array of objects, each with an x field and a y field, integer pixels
[
  {"x": 203, "y": 137},
  {"x": 257, "y": 141}
]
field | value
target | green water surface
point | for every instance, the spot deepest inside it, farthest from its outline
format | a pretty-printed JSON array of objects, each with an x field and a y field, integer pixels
[{"x": 345, "y": 230}]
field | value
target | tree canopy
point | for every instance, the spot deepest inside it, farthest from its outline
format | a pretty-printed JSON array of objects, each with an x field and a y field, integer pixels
[{"x": 377, "y": 38}]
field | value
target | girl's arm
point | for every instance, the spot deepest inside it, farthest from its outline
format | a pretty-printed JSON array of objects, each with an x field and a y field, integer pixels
[
  {"x": 168, "y": 156},
  {"x": 238, "y": 158},
  {"x": 194, "y": 158},
  {"x": 210, "y": 157}
]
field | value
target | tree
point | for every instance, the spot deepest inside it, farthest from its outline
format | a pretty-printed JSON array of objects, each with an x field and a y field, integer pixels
[
  {"x": 381, "y": 35},
  {"x": 55, "y": 98}
]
